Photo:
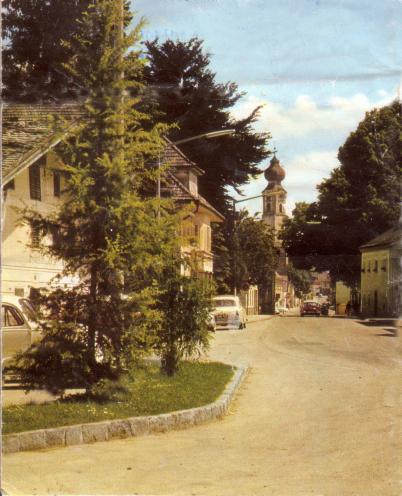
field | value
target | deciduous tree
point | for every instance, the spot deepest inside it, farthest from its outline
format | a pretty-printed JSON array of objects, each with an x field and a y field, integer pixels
[
  {"x": 187, "y": 93},
  {"x": 360, "y": 199}
]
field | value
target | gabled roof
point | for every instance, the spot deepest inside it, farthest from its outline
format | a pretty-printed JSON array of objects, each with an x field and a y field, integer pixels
[
  {"x": 27, "y": 133},
  {"x": 388, "y": 238},
  {"x": 180, "y": 193}
]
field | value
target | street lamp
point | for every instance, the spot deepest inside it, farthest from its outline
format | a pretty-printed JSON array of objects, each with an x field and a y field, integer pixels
[{"x": 211, "y": 134}]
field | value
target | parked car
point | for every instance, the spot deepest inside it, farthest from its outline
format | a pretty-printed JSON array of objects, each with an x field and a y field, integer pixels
[
  {"x": 310, "y": 308},
  {"x": 19, "y": 329},
  {"x": 280, "y": 309},
  {"x": 229, "y": 312}
]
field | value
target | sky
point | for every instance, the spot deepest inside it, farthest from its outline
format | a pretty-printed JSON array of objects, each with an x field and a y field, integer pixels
[{"x": 316, "y": 66}]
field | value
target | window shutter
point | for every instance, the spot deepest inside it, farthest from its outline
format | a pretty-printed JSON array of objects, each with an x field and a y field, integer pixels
[
  {"x": 34, "y": 181},
  {"x": 56, "y": 183},
  {"x": 35, "y": 236}
]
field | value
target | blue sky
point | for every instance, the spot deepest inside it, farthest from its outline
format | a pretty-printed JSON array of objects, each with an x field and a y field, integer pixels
[{"x": 316, "y": 65}]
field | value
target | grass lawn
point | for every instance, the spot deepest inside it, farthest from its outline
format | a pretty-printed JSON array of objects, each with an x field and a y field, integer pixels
[{"x": 151, "y": 393}]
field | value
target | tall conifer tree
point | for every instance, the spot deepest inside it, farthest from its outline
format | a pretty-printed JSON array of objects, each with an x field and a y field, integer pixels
[{"x": 105, "y": 231}]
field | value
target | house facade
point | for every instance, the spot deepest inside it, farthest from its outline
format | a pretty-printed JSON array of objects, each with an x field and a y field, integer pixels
[
  {"x": 180, "y": 182},
  {"x": 381, "y": 275},
  {"x": 32, "y": 179}
]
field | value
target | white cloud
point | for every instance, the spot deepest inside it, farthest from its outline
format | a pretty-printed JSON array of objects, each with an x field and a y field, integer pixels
[
  {"x": 305, "y": 117},
  {"x": 308, "y": 136}
]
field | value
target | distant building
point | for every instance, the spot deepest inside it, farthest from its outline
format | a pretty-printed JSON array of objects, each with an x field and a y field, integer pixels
[
  {"x": 320, "y": 284},
  {"x": 381, "y": 275}
]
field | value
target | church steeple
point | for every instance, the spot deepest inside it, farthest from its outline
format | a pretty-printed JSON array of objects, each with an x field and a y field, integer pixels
[
  {"x": 275, "y": 173},
  {"x": 274, "y": 195}
]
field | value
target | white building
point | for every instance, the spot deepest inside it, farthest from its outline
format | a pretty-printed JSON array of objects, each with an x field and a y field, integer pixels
[{"x": 32, "y": 179}]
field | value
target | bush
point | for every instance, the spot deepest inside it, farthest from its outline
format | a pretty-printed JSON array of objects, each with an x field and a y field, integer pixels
[
  {"x": 106, "y": 390},
  {"x": 184, "y": 303}
]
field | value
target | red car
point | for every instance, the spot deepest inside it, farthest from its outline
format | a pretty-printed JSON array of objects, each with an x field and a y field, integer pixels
[{"x": 310, "y": 308}]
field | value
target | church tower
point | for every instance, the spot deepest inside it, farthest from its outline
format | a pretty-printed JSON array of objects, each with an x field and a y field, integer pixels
[{"x": 274, "y": 197}]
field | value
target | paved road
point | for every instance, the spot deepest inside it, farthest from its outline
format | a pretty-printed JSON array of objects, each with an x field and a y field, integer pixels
[{"x": 319, "y": 414}]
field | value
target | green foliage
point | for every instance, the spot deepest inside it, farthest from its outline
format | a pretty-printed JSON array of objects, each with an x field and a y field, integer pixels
[
  {"x": 184, "y": 302},
  {"x": 300, "y": 280},
  {"x": 359, "y": 201},
  {"x": 106, "y": 390},
  {"x": 247, "y": 255},
  {"x": 256, "y": 254},
  {"x": 35, "y": 53},
  {"x": 106, "y": 233},
  {"x": 223, "y": 255},
  {"x": 187, "y": 93}
]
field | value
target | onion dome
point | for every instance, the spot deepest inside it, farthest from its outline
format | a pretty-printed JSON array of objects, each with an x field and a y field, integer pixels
[{"x": 275, "y": 173}]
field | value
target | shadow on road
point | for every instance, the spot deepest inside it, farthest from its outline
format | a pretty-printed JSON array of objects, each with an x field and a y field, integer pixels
[{"x": 391, "y": 332}]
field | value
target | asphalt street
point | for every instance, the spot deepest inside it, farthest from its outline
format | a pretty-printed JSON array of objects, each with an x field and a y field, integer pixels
[{"x": 318, "y": 414}]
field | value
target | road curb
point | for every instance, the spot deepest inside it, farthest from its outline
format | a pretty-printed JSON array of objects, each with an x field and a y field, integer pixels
[{"x": 122, "y": 428}]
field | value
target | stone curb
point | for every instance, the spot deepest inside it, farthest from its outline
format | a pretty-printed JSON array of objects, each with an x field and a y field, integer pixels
[{"x": 120, "y": 429}]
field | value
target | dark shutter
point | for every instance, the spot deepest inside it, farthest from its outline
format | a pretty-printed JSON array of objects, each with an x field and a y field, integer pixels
[
  {"x": 34, "y": 181},
  {"x": 56, "y": 183},
  {"x": 35, "y": 236}
]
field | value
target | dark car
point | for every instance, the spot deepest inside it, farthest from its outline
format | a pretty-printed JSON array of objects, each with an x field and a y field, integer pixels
[
  {"x": 310, "y": 308},
  {"x": 324, "y": 309}
]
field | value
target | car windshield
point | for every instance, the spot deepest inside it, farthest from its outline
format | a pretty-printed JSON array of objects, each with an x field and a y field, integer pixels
[
  {"x": 225, "y": 303},
  {"x": 28, "y": 309}
]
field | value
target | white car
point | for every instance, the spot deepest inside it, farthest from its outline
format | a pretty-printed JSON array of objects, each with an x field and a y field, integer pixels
[
  {"x": 229, "y": 312},
  {"x": 18, "y": 328}
]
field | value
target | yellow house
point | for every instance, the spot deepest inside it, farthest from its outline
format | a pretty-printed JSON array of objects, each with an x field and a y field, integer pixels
[
  {"x": 381, "y": 275},
  {"x": 181, "y": 183},
  {"x": 31, "y": 179}
]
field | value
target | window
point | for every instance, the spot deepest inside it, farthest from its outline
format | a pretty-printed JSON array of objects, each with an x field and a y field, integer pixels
[
  {"x": 11, "y": 317},
  {"x": 269, "y": 204},
  {"x": 375, "y": 266},
  {"x": 384, "y": 265},
  {"x": 56, "y": 235},
  {"x": 208, "y": 247},
  {"x": 34, "y": 181},
  {"x": 56, "y": 183},
  {"x": 9, "y": 185},
  {"x": 35, "y": 236},
  {"x": 197, "y": 234},
  {"x": 369, "y": 266}
]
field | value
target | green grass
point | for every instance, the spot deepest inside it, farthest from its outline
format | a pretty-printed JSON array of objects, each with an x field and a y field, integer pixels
[{"x": 150, "y": 393}]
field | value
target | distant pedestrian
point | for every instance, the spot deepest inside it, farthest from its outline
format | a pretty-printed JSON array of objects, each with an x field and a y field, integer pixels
[{"x": 348, "y": 309}]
